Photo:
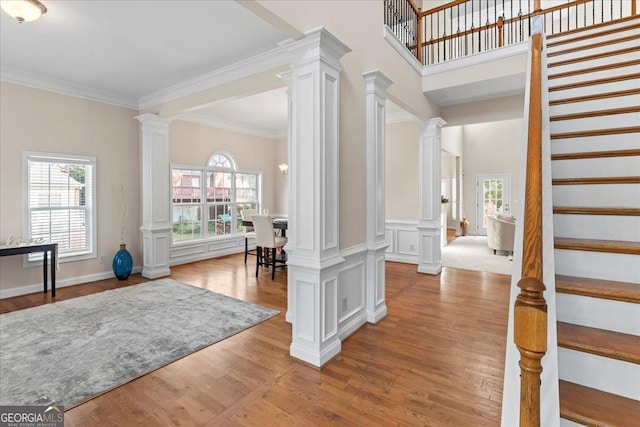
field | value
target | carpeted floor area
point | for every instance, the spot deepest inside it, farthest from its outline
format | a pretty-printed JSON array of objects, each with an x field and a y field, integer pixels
[
  {"x": 71, "y": 351},
  {"x": 472, "y": 253}
]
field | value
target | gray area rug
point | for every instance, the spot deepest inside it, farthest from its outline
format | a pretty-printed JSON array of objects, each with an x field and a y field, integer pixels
[{"x": 71, "y": 351}]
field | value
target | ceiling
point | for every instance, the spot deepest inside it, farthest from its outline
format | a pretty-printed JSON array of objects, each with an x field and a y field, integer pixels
[
  {"x": 124, "y": 50},
  {"x": 121, "y": 51}
]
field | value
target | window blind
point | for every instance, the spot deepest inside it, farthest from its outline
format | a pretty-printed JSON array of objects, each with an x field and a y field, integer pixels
[{"x": 61, "y": 202}]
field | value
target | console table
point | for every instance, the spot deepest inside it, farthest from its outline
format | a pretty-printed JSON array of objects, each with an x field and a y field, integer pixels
[{"x": 45, "y": 248}]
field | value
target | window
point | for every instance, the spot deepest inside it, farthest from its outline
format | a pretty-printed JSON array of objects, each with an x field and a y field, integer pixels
[
  {"x": 187, "y": 199},
  {"x": 226, "y": 191},
  {"x": 60, "y": 199}
]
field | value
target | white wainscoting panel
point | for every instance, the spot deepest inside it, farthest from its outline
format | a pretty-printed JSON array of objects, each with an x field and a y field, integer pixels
[
  {"x": 402, "y": 237},
  {"x": 352, "y": 312},
  {"x": 184, "y": 253}
]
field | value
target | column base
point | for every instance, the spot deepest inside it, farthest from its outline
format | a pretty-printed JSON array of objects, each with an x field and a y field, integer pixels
[{"x": 317, "y": 359}]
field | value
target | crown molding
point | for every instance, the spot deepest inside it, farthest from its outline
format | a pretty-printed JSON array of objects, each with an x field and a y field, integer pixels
[
  {"x": 63, "y": 87},
  {"x": 229, "y": 125},
  {"x": 271, "y": 59}
]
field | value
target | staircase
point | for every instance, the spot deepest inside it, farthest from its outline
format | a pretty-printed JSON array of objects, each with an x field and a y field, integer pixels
[{"x": 594, "y": 108}]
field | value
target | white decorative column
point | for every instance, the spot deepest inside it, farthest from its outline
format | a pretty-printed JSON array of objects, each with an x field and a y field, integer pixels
[
  {"x": 376, "y": 85},
  {"x": 291, "y": 302},
  {"x": 429, "y": 227},
  {"x": 156, "y": 215},
  {"x": 314, "y": 194}
]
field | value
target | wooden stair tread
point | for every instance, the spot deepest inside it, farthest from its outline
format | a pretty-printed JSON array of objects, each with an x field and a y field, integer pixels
[
  {"x": 595, "y": 69},
  {"x": 596, "y": 113},
  {"x": 595, "y": 56},
  {"x": 596, "y": 154},
  {"x": 614, "y": 94},
  {"x": 593, "y": 407},
  {"x": 589, "y": 36},
  {"x": 596, "y": 132},
  {"x": 614, "y": 345},
  {"x": 597, "y": 180},
  {"x": 593, "y": 245},
  {"x": 595, "y": 26},
  {"x": 598, "y": 288},
  {"x": 595, "y": 45},
  {"x": 585, "y": 210},
  {"x": 583, "y": 83}
]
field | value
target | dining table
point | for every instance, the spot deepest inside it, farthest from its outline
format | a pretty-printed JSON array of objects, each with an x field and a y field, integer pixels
[{"x": 279, "y": 223}]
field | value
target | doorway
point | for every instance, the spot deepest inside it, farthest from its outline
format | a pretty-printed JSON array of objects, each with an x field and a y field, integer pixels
[{"x": 492, "y": 196}]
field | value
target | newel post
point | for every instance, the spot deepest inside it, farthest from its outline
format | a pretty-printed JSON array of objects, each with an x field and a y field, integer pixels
[{"x": 530, "y": 337}]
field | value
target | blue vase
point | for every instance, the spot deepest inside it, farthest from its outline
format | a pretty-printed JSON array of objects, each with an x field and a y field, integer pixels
[{"x": 122, "y": 263}]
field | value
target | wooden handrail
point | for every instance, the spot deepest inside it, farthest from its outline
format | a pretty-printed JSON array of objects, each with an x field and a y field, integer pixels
[
  {"x": 530, "y": 311},
  {"x": 414, "y": 6},
  {"x": 442, "y": 7}
]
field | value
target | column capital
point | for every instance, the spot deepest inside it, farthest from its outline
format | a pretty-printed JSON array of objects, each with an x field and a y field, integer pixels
[
  {"x": 376, "y": 82},
  {"x": 432, "y": 125},
  {"x": 285, "y": 76},
  {"x": 153, "y": 120},
  {"x": 318, "y": 43}
]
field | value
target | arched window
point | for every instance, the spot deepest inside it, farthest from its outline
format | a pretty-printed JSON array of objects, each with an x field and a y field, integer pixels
[{"x": 222, "y": 160}]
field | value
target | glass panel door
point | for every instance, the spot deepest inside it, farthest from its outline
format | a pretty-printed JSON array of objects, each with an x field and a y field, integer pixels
[{"x": 492, "y": 192}]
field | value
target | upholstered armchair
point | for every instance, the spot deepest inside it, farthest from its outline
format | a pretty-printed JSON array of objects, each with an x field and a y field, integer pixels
[{"x": 501, "y": 231}]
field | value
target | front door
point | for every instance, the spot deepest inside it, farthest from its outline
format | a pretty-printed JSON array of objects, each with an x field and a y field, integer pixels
[{"x": 492, "y": 195}]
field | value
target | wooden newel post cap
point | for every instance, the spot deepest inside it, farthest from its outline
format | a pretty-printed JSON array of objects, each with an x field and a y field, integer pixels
[{"x": 530, "y": 314}]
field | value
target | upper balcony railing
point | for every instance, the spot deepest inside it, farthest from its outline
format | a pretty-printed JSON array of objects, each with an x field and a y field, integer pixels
[{"x": 466, "y": 27}]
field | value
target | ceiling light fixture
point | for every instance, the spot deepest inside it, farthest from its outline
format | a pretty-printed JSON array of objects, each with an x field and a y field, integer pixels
[{"x": 23, "y": 10}]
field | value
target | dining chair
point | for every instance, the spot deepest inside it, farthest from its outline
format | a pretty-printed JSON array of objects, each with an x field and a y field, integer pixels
[
  {"x": 267, "y": 240},
  {"x": 249, "y": 232}
]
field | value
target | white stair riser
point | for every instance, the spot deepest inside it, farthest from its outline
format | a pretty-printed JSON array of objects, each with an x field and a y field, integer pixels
[
  {"x": 595, "y": 50},
  {"x": 617, "y": 316},
  {"x": 599, "y": 122},
  {"x": 597, "y": 265},
  {"x": 613, "y": 227},
  {"x": 594, "y": 89},
  {"x": 598, "y": 167},
  {"x": 609, "y": 195},
  {"x": 592, "y": 63},
  {"x": 569, "y": 423},
  {"x": 594, "y": 39},
  {"x": 631, "y": 69},
  {"x": 595, "y": 105},
  {"x": 595, "y": 143},
  {"x": 594, "y": 30},
  {"x": 613, "y": 376}
]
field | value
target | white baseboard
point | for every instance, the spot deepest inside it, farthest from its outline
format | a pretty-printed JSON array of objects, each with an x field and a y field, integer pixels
[{"x": 35, "y": 288}]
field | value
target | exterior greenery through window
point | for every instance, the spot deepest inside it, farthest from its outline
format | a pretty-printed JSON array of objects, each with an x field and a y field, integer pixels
[
  {"x": 207, "y": 202},
  {"x": 60, "y": 200}
]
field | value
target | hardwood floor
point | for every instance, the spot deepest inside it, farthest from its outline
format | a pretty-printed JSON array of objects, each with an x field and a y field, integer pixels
[{"x": 437, "y": 359}]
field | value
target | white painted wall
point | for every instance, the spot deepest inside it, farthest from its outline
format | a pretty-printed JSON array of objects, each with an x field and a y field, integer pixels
[{"x": 490, "y": 148}]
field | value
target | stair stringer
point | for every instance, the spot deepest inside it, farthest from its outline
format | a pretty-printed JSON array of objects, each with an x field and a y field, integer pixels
[{"x": 549, "y": 392}]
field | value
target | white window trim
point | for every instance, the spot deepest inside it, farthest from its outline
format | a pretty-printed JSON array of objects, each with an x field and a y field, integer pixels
[
  {"x": 204, "y": 204},
  {"x": 25, "y": 203}
]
